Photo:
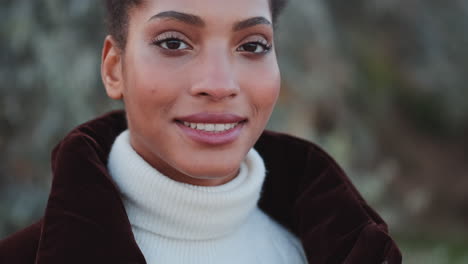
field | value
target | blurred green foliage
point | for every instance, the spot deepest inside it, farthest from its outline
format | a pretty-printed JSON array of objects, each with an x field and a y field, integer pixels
[{"x": 379, "y": 84}]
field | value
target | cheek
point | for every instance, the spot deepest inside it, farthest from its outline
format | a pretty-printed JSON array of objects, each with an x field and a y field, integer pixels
[
  {"x": 149, "y": 84},
  {"x": 263, "y": 86}
]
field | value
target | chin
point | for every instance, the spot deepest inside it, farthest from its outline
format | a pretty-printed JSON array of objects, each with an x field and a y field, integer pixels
[{"x": 209, "y": 163}]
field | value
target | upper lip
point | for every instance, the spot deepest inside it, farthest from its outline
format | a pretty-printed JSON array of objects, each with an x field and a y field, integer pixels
[{"x": 212, "y": 118}]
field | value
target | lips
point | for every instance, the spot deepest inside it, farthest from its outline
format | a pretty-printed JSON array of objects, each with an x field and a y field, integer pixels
[{"x": 212, "y": 128}]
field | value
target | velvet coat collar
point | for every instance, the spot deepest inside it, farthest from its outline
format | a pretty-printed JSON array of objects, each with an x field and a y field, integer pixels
[{"x": 85, "y": 220}]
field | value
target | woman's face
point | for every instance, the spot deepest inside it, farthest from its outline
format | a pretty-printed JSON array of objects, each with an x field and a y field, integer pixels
[{"x": 199, "y": 80}]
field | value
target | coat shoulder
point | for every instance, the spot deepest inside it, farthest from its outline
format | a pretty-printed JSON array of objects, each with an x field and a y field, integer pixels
[
  {"x": 21, "y": 247},
  {"x": 308, "y": 192},
  {"x": 306, "y": 163}
]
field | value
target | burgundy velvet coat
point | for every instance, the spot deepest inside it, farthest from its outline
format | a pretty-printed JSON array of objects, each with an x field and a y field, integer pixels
[{"x": 305, "y": 190}]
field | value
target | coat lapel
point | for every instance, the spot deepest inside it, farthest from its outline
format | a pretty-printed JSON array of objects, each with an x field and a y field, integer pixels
[
  {"x": 307, "y": 192},
  {"x": 85, "y": 220}
]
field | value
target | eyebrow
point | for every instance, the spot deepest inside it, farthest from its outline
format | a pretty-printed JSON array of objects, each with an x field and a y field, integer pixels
[
  {"x": 182, "y": 17},
  {"x": 250, "y": 22},
  {"x": 197, "y": 21}
]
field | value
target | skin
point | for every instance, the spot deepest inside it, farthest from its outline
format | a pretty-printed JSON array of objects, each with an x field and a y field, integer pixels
[{"x": 213, "y": 69}]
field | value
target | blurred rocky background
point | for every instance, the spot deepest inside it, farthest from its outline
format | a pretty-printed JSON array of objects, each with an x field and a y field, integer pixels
[{"x": 380, "y": 84}]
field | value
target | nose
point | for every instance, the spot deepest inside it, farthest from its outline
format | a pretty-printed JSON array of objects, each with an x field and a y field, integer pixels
[{"x": 215, "y": 78}]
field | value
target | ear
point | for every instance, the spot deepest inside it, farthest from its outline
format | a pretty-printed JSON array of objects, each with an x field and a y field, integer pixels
[{"x": 111, "y": 68}]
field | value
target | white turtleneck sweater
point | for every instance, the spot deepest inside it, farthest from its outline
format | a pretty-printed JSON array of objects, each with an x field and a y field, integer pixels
[{"x": 175, "y": 222}]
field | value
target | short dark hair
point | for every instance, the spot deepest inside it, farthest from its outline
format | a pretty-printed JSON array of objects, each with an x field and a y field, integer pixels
[{"x": 117, "y": 16}]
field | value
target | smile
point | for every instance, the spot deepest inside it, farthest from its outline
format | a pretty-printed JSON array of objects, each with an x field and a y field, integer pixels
[
  {"x": 212, "y": 128},
  {"x": 215, "y": 128}
]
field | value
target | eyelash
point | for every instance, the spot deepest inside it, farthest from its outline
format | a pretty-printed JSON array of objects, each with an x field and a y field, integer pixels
[
  {"x": 263, "y": 43},
  {"x": 167, "y": 37}
]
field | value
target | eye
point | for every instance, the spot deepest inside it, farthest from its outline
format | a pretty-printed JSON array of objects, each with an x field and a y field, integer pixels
[
  {"x": 256, "y": 45},
  {"x": 171, "y": 41},
  {"x": 172, "y": 44}
]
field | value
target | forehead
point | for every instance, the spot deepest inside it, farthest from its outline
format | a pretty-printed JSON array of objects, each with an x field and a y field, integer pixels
[{"x": 209, "y": 10}]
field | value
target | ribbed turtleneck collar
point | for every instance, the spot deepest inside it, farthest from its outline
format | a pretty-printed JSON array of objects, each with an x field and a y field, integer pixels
[{"x": 160, "y": 205}]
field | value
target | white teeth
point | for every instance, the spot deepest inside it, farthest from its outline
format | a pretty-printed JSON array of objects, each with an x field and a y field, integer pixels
[
  {"x": 211, "y": 127},
  {"x": 221, "y": 127}
]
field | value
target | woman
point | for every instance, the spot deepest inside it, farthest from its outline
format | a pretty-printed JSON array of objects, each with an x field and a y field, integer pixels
[{"x": 187, "y": 174}]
